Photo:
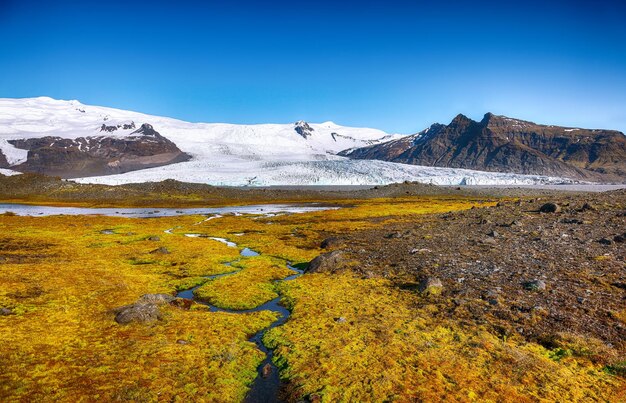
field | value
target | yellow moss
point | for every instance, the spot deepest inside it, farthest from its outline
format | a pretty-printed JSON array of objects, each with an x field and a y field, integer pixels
[{"x": 248, "y": 288}]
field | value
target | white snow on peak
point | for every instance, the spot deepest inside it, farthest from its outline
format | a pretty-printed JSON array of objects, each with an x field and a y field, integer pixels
[{"x": 229, "y": 154}]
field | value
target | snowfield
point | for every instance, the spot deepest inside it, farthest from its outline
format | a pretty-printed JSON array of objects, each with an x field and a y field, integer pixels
[{"x": 235, "y": 155}]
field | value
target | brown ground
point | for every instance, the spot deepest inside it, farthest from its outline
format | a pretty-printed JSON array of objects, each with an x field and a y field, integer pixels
[{"x": 484, "y": 258}]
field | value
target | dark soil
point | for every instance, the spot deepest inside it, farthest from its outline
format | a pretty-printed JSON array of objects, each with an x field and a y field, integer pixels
[{"x": 512, "y": 268}]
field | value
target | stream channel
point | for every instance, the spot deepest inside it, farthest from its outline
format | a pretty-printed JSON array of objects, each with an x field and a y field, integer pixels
[{"x": 267, "y": 383}]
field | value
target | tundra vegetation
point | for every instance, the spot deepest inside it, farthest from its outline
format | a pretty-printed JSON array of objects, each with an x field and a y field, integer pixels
[{"x": 351, "y": 337}]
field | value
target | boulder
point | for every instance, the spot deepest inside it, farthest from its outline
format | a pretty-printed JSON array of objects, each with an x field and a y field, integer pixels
[
  {"x": 327, "y": 262},
  {"x": 5, "y": 312},
  {"x": 535, "y": 285},
  {"x": 137, "y": 313},
  {"x": 331, "y": 242},
  {"x": 161, "y": 251},
  {"x": 158, "y": 299},
  {"x": 430, "y": 286},
  {"x": 550, "y": 208}
]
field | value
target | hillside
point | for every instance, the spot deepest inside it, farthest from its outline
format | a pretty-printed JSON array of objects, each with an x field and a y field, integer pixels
[{"x": 501, "y": 144}]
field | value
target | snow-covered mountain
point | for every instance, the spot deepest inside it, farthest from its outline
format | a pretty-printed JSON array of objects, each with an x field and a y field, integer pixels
[{"x": 300, "y": 153}]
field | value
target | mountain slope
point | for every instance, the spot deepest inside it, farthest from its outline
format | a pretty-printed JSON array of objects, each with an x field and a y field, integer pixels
[
  {"x": 501, "y": 144},
  {"x": 70, "y": 139}
]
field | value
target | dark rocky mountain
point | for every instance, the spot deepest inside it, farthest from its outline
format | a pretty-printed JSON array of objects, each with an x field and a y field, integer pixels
[
  {"x": 98, "y": 155},
  {"x": 501, "y": 144},
  {"x": 302, "y": 128}
]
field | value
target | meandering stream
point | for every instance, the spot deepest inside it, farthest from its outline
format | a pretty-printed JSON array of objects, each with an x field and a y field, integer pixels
[{"x": 267, "y": 383}]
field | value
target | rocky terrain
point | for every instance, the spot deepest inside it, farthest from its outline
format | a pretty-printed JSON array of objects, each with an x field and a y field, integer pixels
[
  {"x": 535, "y": 268},
  {"x": 502, "y": 144},
  {"x": 97, "y": 155}
]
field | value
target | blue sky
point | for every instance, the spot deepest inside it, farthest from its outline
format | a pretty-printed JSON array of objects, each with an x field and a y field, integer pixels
[{"x": 394, "y": 65}]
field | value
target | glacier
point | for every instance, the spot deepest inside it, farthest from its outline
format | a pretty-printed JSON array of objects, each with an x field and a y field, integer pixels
[{"x": 235, "y": 155}]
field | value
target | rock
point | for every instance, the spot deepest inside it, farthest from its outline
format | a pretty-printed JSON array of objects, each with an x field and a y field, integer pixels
[
  {"x": 154, "y": 238},
  {"x": 430, "y": 286},
  {"x": 340, "y": 319},
  {"x": 137, "y": 313},
  {"x": 605, "y": 241},
  {"x": 571, "y": 221},
  {"x": 588, "y": 207},
  {"x": 5, "y": 312},
  {"x": 181, "y": 341},
  {"x": 422, "y": 250},
  {"x": 162, "y": 251},
  {"x": 266, "y": 370},
  {"x": 620, "y": 238},
  {"x": 535, "y": 285},
  {"x": 158, "y": 299},
  {"x": 327, "y": 262},
  {"x": 331, "y": 242},
  {"x": 493, "y": 234},
  {"x": 489, "y": 241},
  {"x": 550, "y": 208},
  {"x": 393, "y": 235},
  {"x": 107, "y": 232}
]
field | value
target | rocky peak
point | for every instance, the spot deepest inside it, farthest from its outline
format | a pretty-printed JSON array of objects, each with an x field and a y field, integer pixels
[
  {"x": 147, "y": 130},
  {"x": 303, "y": 129},
  {"x": 112, "y": 128},
  {"x": 460, "y": 120}
]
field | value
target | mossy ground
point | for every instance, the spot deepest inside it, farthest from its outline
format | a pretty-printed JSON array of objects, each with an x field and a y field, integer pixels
[{"x": 348, "y": 339}]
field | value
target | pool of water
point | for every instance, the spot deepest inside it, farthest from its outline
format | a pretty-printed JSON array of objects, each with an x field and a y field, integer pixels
[{"x": 264, "y": 209}]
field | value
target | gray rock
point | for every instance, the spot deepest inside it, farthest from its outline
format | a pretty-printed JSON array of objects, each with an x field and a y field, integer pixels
[
  {"x": 331, "y": 242},
  {"x": 535, "y": 285},
  {"x": 159, "y": 299},
  {"x": 107, "y": 232},
  {"x": 588, "y": 207},
  {"x": 137, "y": 313},
  {"x": 161, "y": 251},
  {"x": 327, "y": 262},
  {"x": 5, "y": 312},
  {"x": 605, "y": 241},
  {"x": 430, "y": 286},
  {"x": 154, "y": 238},
  {"x": 550, "y": 208}
]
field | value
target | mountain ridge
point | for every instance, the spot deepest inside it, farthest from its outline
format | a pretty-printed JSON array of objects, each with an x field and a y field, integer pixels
[{"x": 498, "y": 143}]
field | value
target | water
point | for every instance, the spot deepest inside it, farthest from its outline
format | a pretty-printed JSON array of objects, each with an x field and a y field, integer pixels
[
  {"x": 266, "y": 385},
  {"x": 264, "y": 209}
]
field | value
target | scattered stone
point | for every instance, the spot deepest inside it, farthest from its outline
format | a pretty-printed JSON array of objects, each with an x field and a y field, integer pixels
[
  {"x": 550, "y": 208},
  {"x": 5, "y": 312},
  {"x": 422, "y": 250},
  {"x": 571, "y": 221},
  {"x": 393, "y": 235},
  {"x": 493, "y": 234},
  {"x": 430, "y": 286},
  {"x": 535, "y": 285},
  {"x": 267, "y": 370},
  {"x": 162, "y": 251},
  {"x": 340, "y": 319},
  {"x": 181, "y": 341},
  {"x": 154, "y": 238},
  {"x": 331, "y": 242},
  {"x": 159, "y": 299},
  {"x": 588, "y": 207},
  {"x": 605, "y": 241},
  {"x": 620, "y": 238},
  {"x": 137, "y": 313},
  {"x": 327, "y": 262},
  {"x": 107, "y": 232}
]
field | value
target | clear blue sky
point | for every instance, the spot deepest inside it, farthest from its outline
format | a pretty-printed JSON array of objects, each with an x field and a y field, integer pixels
[{"x": 394, "y": 65}]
